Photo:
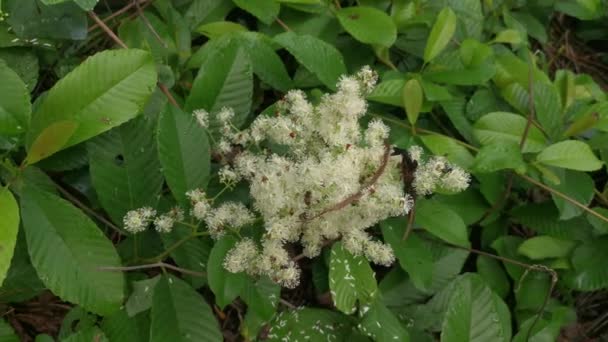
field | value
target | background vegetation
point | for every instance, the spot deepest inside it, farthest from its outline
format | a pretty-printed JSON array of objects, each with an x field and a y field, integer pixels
[{"x": 95, "y": 103}]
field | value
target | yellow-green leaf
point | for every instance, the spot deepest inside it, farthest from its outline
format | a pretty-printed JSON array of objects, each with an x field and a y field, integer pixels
[
  {"x": 412, "y": 99},
  {"x": 9, "y": 225},
  {"x": 570, "y": 154},
  {"x": 440, "y": 36}
]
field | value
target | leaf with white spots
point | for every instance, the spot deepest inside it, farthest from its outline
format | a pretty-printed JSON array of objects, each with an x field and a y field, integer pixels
[
  {"x": 306, "y": 324},
  {"x": 380, "y": 324},
  {"x": 350, "y": 279}
]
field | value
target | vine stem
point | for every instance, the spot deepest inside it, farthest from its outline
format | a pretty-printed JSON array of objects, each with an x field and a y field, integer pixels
[
  {"x": 122, "y": 44},
  {"x": 119, "y": 12},
  {"x": 159, "y": 264}
]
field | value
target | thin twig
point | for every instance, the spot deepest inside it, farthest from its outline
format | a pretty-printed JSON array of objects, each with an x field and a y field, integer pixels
[
  {"x": 119, "y": 12},
  {"x": 287, "y": 304},
  {"x": 148, "y": 24},
  {"x": 410, "y": 222},
  {"x": 86, "y": 209},
  {"x": 539, "y": 313},
  {"x": 282, "y": 24},
  {"x": 357, "y": 195},
  {"x": 148, "y": 266}
]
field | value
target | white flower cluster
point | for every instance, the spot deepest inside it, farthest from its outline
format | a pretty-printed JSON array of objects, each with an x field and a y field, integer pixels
[
  {"x": 136, "y": 221},
  {"x": 318, "y": 186},
  {"x": 437, "y": 174}
]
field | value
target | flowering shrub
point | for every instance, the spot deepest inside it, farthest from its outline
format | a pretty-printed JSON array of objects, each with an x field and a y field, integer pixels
[{"x": 302, "y": 170}]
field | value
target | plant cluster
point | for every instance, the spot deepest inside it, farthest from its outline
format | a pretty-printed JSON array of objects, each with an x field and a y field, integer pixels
[{"x": 303, "y": 170}]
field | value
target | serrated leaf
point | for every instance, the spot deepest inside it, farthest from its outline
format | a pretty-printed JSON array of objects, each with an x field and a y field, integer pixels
[
  {"x": 368, "y": 25},
  {"x": 441, "y": 34},
  {"x": 9, "y": 226},
  {"x": 141, "y": 297},
  {"x": 224, "y": 80},
  {"x": 543, "y": 247},
  {"x": 412, "y": 100},
  {"x": 504, "y": 127},
  {"x": 225, "y": 285},
  {"x": 179, "y": 314},
  {"x": 442, "y": 222},
  {"x": 590, "y": 271},
  {"x": 67, "y": 250},
  {"x": 388, "y": 92},
  {"x": 351, "y": 279},
  {"x": 219, "y": 28},
  {"x": 265, "y": 10},
  {"x": 475, "y": 314},
  {"x": 380, "y": 324},
  {"x": 570, "y": 154},
  {"x": 192, "y": 254},
  {"x": 319, "y": 57},
  {"x": 494, "y": 275},
  {"x": 124, "y": 167},
  {"x": 578, "y": 186},
  {"x": 543, "y": 218},
  {"x": 123, "y": 81},
  {"x": 413, "y": 256},
  {"x": 15, "y": 105},
  {"x": 600, "y": 226},
  {"x": 309, "y": 324},
  {"x": 548, "y": 107},
  {"x": 495, "y": 157},
  {"x": 184, "y": 152}
]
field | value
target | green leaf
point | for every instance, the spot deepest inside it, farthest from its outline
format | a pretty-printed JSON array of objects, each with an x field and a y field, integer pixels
[
  {"x": 493, "y": 274},
  {"x": 119, "y": 327},
  {"x": 225, "y": 285},
  {"x": 544, "y": 247},
  {"x": 21, "y": 282},
  {"x": 224, "y": 80},
  {"x": 543, "y": 218},
  {"x": 414, "y": 257},
  {"x": 380, "y": 324},
  {"x": 24, "y": 62},
  {"x": 578, "y": 186},
  {"x": 450, "y": 148},
  {"x": 442, "y": 222},
  {"x": 15, "y": 105},
  {"x": 388, "y": 92},
  {"x": 219, "y": 28},
  {"x": 495, "y": 157},
  {"x": 477, "y": 75},
  {"x": 589, "y": 262},
  {"x": 9, "y": 226},
  {"x": 86, "y": 5},
  {"x": 508, "y": 36},
  {"x": 309, "y": 324},
  {"x": 112, "y": 88},
  {"x": 265, "y": 10},
  {"x": 570, "y": 154},
  {"x": 262, "y": 297},
  {"x": 192, "y": 254},
  {"x": 368, "y": 25},
  {"x": 124, "y": 167},
  {"x": 319, "y": 57},
  {"x": 141, "y": 297},
  {"x": 412, "y": 99},
  {"x": 7, "y": 334},
  {"x": 504, "y": 128},
  {"x": 548, "y": 108},
  {"x": 67, "y": 250},
  {"x": 201, "y": 12},
  {"x": 600, "y": 226},
  {"x": 184, "y": 152},
  {"x": 441, "y": 34},
  {"x": 180, "y": 314},
  {"x": 475, "y": 313},
  {"x": 351, "y": 279}
]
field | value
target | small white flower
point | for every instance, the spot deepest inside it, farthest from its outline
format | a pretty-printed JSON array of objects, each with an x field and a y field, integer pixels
[
  {"x": 136, "y": 221},
  {"x": 202, "y": 117},
  {"x": 225, "y": 115},
  {"x": 241, "y": 257},
  {"x": 164, "y": 223}
]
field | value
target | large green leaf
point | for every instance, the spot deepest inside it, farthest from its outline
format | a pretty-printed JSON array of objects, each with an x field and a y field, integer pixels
[
  {"x": 351, "y": 279},
  {"x": 543, "y": 218},
  {"x": 589, "y": 262},
  {"x": 262, "y": 297},
  {"x": 265, "y": 10},
  {"x": 368, "y": 25},
  {"x": 225, "y": 285},
  {"x": 266, "y": 64},
  {"x": 319, "y": 57},
  {"x": 86, "y": 5},
  {"x": 9, "y": 226},
  {"x": 441, "y": 33},
  {"x": 414, "y": 257},
  {"x": 21, "y": 282},
  {"x": 495, "y": 157},
  {"x": 475, "y": 313},
  {"x": 184, "y": 152},
  {"x": 450, "y": 148},
  {"x": 119, "y": 327},
  {"x": 192, "y": 254},
  {"x": 140, "y": 299},
  {"x": 68, "y": 250},
  {"x": 570, "y": 154},
  {"x": 542, "y": 247},
  {"x": 548, "y": 106},
  {"x": 388, "y": 92},
  {"x": 442, "y": 222},
  {"x": 503, "y": 127},
  {"x": 124, "y": 167},
  {"x": 15, "y": 105},
  {"x": 103, "y": 92},
  {"x": 180, "y": 314},
  {"x": 309, "y": 324},
  {"x": 380, "y": 324},
  {"x": 576, "y": 185},
  {"x": 224, "y": 80}
]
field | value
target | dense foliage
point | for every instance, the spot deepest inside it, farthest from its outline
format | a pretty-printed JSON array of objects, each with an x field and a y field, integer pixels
[{"x": 141, "y": 141}]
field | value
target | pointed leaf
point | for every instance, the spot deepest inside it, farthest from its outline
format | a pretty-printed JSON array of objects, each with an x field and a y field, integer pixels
[
  {"x": 351, "y": 279},
  {"x": 265, "y": 10},
  {"x": 441, "y": 34},
  {"x": 495, "y": 157},
  {"x": 380, "y": 324},
  {"x": 442, "y": 222},
  {"x": 503, "y": 127},
  {"x": 184, "y": 152},
  {"x": 319, "y": 57},
  {"x": 112, "y": 87},
  {"x": 589, "y": 262},
  {"x": 15, "y": 105},
  {"x": 543, "y": 247},
  {"x": 192, "y": 254},
  {"x": 309, "y": 324},
  {"x": 67, "y": 250},
  {"x": 9, "y": 226},
  {"x": 412, "y": 100},
  {"x": 368, "y": 25},
  {"x": 180, "y": 314},
  {"x": 570, "y": 154}
]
